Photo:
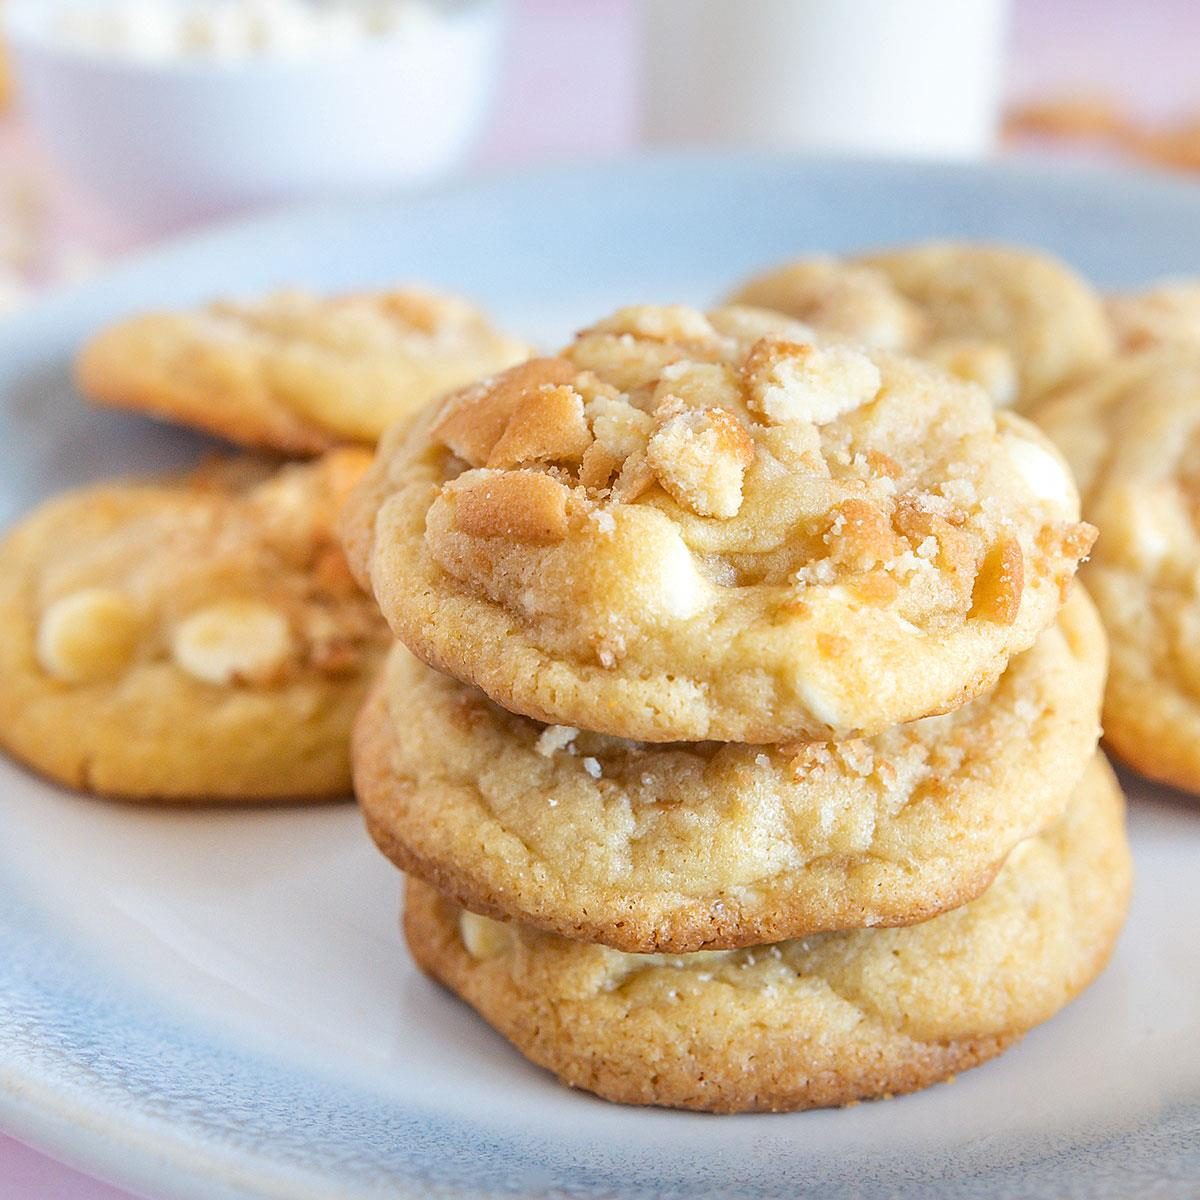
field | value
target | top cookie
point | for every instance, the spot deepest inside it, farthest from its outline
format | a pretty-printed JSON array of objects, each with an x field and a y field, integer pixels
[
  {"x": 295, "y": 372},
  {"x": 1132, "y": 433},
  {"x": 1017, "y": 322},
  {"x": 690, "y": 527}
]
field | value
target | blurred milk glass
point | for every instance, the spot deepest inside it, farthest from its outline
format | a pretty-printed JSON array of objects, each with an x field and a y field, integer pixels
[{"x": 903, "y": 77}]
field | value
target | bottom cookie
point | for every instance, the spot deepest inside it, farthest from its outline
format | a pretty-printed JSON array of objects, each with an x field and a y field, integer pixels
[{"x": 818, "y": 1021}]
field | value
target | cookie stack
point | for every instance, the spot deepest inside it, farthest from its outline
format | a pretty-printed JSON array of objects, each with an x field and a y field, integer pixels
[{"x": 751, "y": 761}]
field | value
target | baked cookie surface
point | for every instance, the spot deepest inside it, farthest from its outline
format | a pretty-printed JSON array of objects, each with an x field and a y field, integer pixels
[
  {"x": 1016, "y": 321},
  {"x": 1132, "y": 434},
  {"x": 803, "y": 1024},
  {"x": 197, "y": 637},
  {"x": 694, "y": 527},
  {"x": 293, "y": 371},
  {"x": 693, "y": 846},
  {"x": 1162, "y": 316}
]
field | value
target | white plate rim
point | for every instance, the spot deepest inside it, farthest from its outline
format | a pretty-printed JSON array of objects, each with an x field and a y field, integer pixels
[{"x": 150, "y": 1160}]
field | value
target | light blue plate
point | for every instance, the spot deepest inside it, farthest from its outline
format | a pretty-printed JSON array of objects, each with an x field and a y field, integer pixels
[{"x": 216, "y": 1005}]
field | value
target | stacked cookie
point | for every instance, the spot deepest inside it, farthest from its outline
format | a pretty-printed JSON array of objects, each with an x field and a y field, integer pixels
[
  {"x": 199, "y": 637},
  {"x": 751, "y": 760}
]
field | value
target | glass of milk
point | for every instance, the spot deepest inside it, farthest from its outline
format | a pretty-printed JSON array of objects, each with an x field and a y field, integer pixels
[{"x": 898, "y": 77}]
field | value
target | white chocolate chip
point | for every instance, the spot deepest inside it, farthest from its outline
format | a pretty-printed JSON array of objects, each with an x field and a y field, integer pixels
[
  {"x": 483, "y": 937},
  {"x": 592, "y": 767},
  {"x": 554, "y": 738},
  {"x": 233, "y": 641},
  {"x": 1043, "y": 474},
  {"x": 820, "y": 703},
  {"x": 88, "y": 635},
  {"x": 681, "y": 586}
]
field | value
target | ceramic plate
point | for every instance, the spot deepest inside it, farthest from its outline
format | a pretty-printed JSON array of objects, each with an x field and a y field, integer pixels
[{"x": 217, "y": 1004}]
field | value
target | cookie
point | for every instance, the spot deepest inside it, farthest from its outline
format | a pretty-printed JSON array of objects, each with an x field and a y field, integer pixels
[
  {"x": 198, "y": 637},
  {"x": 841, "y": 299},
  {"x": 1163, "y": 316},
  {"x": 686, "y": 527},
  {"x": 1016, "y": 321},
  {"x": 695, "y": 846},
  {"x": 826, "y": 1020},
  {"x": 847, "y": 301},
  {"x": 1132, "y": 433},
  {"x": 295, "y": 372}
]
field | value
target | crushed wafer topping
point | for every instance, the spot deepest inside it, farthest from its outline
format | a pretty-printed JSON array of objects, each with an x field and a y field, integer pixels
[
  {"x": 660, "y": 407},
  {"x": 700, "y": 456},
  {"x": 645, "y": 413}
]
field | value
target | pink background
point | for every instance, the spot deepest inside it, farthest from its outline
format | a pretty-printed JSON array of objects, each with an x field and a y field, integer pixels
[{"x": 570, "y": 93}]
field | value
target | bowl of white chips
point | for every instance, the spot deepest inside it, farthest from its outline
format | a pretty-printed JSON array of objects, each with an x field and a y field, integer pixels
[{"x": 170, "y": 111}]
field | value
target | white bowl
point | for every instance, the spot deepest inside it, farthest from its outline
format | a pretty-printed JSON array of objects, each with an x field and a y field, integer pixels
[{"x": 163, "y": 144}]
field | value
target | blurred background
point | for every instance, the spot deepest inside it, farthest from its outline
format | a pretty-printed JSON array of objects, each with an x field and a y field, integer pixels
[{"x": 126, "y": 121}]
